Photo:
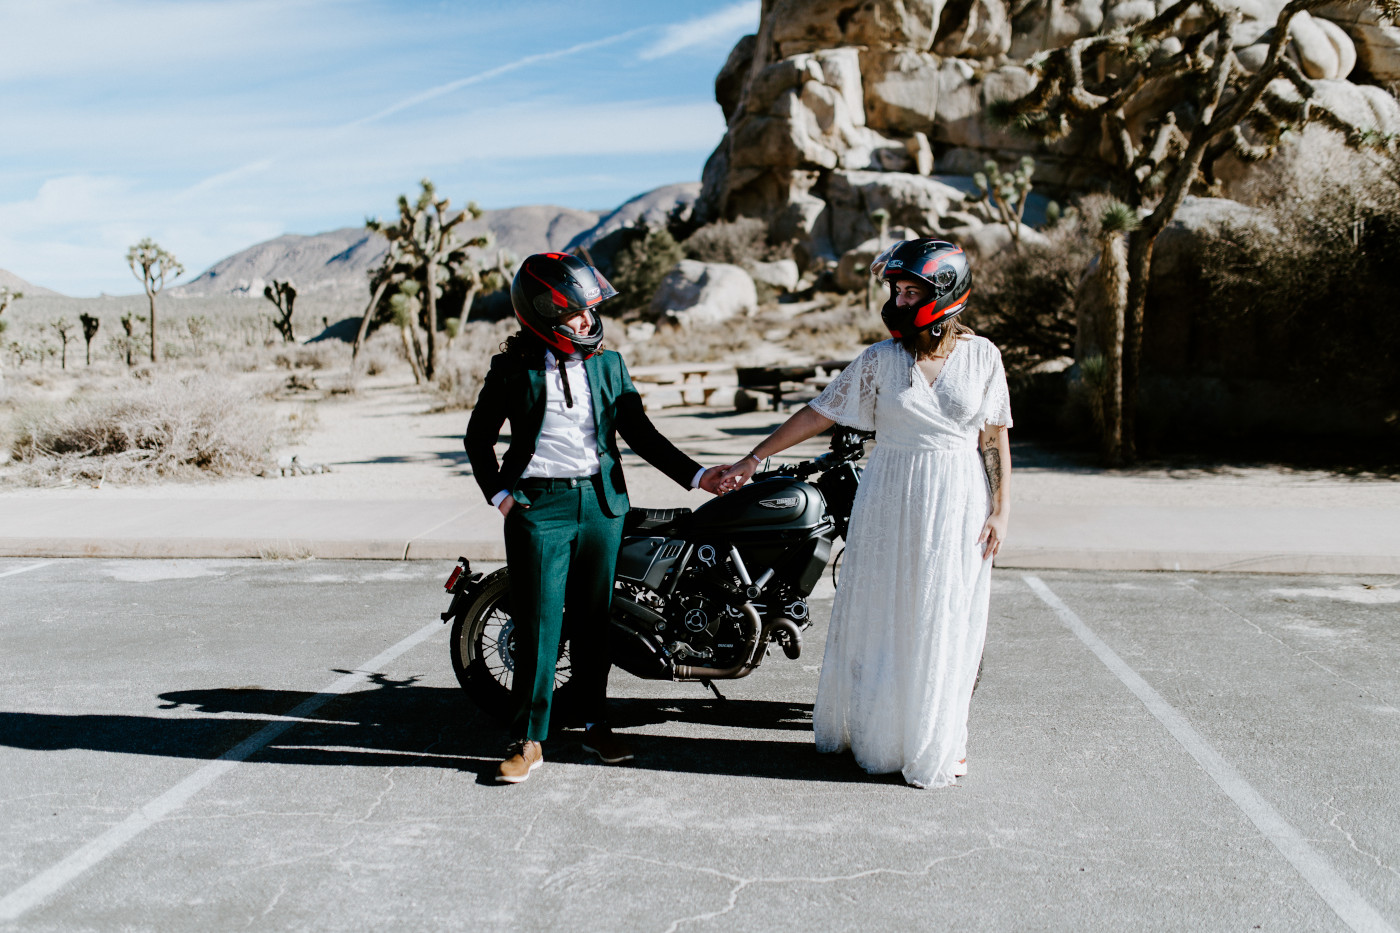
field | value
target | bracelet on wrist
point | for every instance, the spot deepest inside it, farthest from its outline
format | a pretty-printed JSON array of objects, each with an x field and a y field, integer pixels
[{"x": 756, "y": 458}]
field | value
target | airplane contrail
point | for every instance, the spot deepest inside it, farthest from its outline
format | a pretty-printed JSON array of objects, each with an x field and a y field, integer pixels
[{"x": 262, "y": 164}]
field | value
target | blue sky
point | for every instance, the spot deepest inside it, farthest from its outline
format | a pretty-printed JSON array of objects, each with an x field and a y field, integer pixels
[{"x": 211, "y": 125}]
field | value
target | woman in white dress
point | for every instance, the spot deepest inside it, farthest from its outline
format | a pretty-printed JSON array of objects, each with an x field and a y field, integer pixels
[{"x": 910, "y": 614}]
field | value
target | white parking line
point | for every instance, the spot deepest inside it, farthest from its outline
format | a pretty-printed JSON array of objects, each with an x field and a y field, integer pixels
[
  {"x": 25, "y": 569},
  {"x": 49, "y": 882},
  {"x": 1348, "y": 904}
]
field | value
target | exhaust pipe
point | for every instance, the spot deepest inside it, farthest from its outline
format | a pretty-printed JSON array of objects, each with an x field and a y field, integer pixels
[{"x": 753, "y": 647}]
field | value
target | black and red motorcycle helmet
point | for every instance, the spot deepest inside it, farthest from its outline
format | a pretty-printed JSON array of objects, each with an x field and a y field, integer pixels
[
  {"x": 552, "y": 286},
  {"x": 937, "y": 263}
]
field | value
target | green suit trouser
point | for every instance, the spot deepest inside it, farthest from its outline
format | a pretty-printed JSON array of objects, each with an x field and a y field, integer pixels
[{"x": 562, "y": 553}]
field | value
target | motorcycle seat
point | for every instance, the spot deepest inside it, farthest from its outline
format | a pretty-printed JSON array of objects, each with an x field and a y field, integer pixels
[{"x": 640, "y": 521}]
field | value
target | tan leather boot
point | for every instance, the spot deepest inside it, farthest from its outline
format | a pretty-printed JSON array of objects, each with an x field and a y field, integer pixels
[{"x": 521, "y": 758}]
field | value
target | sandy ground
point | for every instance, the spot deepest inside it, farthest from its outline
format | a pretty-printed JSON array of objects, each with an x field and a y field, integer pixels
[{"x": 385, "y": 442}]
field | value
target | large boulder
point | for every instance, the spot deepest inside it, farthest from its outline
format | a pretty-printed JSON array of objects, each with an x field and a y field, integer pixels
[
  {"x": 656, "y": 209},
  {"x": 808, "y": 25},
  {"x": 987, "y": 240},
  {"x": 901, "y": 89},
  {"x": 1317, "y": 155},
  {"x": 912, "y": 201},
  {"x": 1030, "y": 33},
  {"x": 983, "y": 30},
  {"x": 1324, "y": 50},
  {"x": 695, "y": 293},
  {"x": 966, "y": 92},
  {"x": 781, "y": 274},
  {"x": 1377, "y": 42}
]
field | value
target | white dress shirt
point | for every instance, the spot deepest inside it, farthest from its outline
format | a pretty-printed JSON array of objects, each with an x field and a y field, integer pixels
[{"x": 568, "y": 444}]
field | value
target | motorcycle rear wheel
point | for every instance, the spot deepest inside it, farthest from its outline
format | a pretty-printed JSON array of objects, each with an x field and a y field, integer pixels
[{"x": 483, "y": 653}]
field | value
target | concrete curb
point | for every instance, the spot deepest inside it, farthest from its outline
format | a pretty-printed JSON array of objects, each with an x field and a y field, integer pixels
[{"x": 446, "y": 549}]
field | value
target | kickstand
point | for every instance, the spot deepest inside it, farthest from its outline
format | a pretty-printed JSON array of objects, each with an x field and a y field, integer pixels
[{"x": 711, "y": 685}]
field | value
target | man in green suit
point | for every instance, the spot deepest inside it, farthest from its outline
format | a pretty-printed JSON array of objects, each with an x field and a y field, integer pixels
[{"x": 561, "y": 488}]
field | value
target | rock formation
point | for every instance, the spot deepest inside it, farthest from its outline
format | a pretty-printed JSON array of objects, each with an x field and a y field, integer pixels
[
  {"x": 839, "y": 107},
  {"x": 703, "y": 293}
]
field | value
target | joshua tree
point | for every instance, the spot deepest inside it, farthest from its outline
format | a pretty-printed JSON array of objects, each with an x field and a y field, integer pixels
[
  {"x": 64, "y": 328},
  {"x": 1005, "y": 194},
  {"x": 425, "y": 232},
  {"x": 152, "y": 265},
  {"x": 1179, "y": 70},
  {"x": 283, "y": 295},
  {"x": 128, "y": 343},
  {"x": 90, "y": 324},
  {"x": 1117, "y": 220},
  {"x": 480, "y": 277},
  {"x": 389, "y": 272},
  {"x": 198, "y": 327},
  {"x": 405, "y": 306},
  {"x": 6, "y": 296}
]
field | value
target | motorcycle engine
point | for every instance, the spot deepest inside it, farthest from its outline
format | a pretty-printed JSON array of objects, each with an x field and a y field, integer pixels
[{"x": 701, "y": 625}]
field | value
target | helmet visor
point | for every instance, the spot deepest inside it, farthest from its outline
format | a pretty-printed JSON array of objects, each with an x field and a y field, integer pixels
[{"x": 877, "y": 268}]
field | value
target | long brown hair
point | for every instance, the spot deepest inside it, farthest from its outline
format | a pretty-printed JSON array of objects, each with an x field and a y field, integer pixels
[{"x": 924, "y": 344}]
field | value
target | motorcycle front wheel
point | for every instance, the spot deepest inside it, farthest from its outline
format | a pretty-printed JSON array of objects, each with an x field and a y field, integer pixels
[{"x": 483, "y": 652}]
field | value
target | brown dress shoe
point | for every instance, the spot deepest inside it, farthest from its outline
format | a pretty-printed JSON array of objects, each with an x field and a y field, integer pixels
[
  {"x": 521, "y": 758},
  {"x": 601, "y": 741}
]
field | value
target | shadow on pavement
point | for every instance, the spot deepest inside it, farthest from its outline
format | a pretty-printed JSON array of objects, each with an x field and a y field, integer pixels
[{"x": 402, "y": 724}]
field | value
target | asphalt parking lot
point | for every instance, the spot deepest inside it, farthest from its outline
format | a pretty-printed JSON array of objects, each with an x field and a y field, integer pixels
[{"x": 282, "y": 745}]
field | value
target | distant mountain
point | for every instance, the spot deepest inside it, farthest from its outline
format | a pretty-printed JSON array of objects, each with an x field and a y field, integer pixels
[
  {"x": 653, "y": 210},
  {"x": 339, "y": 261},
  {"x": 16, "y": 284}
]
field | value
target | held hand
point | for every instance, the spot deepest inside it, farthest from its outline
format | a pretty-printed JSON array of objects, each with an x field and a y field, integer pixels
[
  {"x": 506, "y": 505},
  {"x": 738, "y": 474},
  {"x": 993, "y": 535},
  {"x": 710, "y": 479}
]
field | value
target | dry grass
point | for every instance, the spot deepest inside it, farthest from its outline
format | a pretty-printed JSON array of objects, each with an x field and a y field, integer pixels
[
  {"x": 463, "y": 368},
  {"x": 163, "y": 428}
]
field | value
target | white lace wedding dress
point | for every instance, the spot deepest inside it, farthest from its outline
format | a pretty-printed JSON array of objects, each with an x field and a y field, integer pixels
[{"x": 910, "y": 614}]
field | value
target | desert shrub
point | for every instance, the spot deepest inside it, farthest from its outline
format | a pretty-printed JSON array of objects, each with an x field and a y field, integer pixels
[
  {"x": 744, "y": 239},
  {"x": 464, "y": 367},
  {"x": 639, "y": 268},
  {"x": 321, "y": 355},
  {"x": 162, "y": 428},
  {"x": 1317, "y": 293},
  {"x": 1023, "y": 300},
  {"x": 705, "y": 344}
]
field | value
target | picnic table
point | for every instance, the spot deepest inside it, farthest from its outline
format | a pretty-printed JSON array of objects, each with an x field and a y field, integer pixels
[
  {"x": 683, "y": 380},
  {"x": 697, "y": 377},
  {"x": 778, "y": 381}
]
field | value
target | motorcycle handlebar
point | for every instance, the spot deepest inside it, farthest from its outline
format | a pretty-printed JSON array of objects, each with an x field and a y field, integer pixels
[{"x": 846, "y": 445}]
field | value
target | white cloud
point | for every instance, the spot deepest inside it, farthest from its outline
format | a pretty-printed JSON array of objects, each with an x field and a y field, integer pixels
[
  {"x": 727, "y": 24},
  {"x": 72, "y": 233}
]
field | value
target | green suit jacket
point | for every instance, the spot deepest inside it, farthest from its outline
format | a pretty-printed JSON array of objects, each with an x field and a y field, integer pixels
[{"x": 514, "y": 391}]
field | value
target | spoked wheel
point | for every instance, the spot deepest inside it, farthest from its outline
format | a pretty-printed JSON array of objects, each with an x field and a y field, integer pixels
[{"x": 483, "y": 652}]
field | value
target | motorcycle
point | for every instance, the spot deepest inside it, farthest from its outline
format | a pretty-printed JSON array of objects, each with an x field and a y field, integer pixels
[{"x": 699, "y": 595}]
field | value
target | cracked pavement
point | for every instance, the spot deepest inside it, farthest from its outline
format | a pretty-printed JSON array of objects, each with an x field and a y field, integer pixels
[{"x": 1081, "y": 812}]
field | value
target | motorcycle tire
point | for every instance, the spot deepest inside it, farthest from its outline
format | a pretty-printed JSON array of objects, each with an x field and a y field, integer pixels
[{"x": 483, "y": 653}]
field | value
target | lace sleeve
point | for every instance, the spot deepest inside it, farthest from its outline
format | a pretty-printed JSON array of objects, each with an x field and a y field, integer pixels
[
  {"x": 996, "y": 398},
  {"x": 850, "y": 398}
]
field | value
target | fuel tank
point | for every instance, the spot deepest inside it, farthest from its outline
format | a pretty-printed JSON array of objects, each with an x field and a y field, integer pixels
[{"x": 777, "y": 509}]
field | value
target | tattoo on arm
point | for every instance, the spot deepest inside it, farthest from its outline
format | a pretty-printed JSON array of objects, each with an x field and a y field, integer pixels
[{"x": 991, "y": 461}]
